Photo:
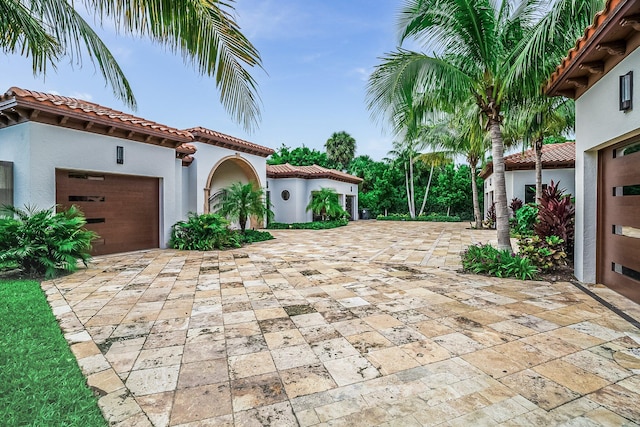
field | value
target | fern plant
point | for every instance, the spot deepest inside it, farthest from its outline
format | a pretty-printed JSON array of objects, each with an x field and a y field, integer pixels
[{"x": 43, "y": 241}]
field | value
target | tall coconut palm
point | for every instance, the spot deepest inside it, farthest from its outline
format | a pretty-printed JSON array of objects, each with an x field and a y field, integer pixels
[
  {"x": 203, "y": 32},
  {"x": 240, "y": 201},
  {"x": 463, "y": 134},
  {"x": 341, "y": 148},
  {"x": 482, "y": 49}
]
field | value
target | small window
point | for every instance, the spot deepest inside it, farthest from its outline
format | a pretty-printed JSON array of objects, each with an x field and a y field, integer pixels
[
  {"x": 6, "y": 183},
  {"x": 285, "y": 195}
]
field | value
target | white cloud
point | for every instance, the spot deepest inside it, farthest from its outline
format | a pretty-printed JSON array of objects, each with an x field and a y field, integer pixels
[{"x": 361, "y": 72}]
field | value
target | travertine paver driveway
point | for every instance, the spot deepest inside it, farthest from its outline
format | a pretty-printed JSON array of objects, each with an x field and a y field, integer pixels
[{"x": 369, "y": 324}]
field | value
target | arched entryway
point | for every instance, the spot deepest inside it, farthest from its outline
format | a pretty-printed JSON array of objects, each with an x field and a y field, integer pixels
[{"x": 227, "y": 171}]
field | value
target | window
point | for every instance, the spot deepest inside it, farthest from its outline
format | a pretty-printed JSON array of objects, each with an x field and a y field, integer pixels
[
  {"x": 285, "y": 195},
  {"x": 6, "y": 183},
  {"x": 530, "y": 193}
]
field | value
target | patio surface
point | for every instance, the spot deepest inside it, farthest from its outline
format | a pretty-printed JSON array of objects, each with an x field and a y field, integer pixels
[{"x": 368, "y": 324}]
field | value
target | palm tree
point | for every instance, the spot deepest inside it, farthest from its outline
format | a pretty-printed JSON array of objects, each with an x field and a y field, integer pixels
[
  {"x": 484, "y": 51},
  {"x": 325, "y": 203},
  {"x": 204, "y": 32},
  {"x": 240, "y": 201},
  {"x": 463, "y": 134},
  {"x": 341, "y": 148},
  {"x": 541, "y": 118}
]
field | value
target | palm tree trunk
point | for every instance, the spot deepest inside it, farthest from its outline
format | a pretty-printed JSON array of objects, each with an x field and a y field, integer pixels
[
  {"x": 500, "y": 188},
  {"x": 406, "y": 184},
  {"x": 474, "y": 192},
  {"x": 537, "y": 148},
  {"x": 243, "y": 222},
  {"x": 426, "y": 193},
  {"x": 413, "y": 194}
]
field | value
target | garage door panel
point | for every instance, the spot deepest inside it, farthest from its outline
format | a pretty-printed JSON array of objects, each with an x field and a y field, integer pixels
[
  {"x": 122, "y": 209},
  {"x": 622, "y": 250},
  {"x": 619, "y": 219}
]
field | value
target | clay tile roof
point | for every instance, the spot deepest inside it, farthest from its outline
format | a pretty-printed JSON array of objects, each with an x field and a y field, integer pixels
[
  {"x": 309, "y": 172},
  {"x": 608, "y": 26},
  {"x": 554, "y": 156},
  {"x": 219, "y": 139},
  {"x": 90, "y": 112}
]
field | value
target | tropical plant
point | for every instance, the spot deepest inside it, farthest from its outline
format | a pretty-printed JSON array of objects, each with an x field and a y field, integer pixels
[
  {"x": 203, "y": 233},
  {"x": 547, "y": 254},
  {"x": 324, "y": 203},
  {"x": 204, "y": 32},
  {"x": 240, "y": 201},
  {"x": 42, "y": 241},
  {"x": 485, "y": 259},
  {"x": 524, "y": 221},
  {"x": 253, "y": 236},
  {"x": 341, "y": 148},
  {"x": 515, "y": 205},
  {"x": 556, "y": 216},
  {"x": 315, "y": 225},
  {"x": 494, "y": 52},
  {"x": 490, "y": 221}
]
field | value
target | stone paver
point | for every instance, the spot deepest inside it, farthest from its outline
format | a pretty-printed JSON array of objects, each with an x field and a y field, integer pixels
[{"x": 369, "y": 324}]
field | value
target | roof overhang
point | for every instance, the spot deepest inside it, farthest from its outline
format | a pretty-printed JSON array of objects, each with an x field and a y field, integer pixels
[{"x": 614, "y": 34}]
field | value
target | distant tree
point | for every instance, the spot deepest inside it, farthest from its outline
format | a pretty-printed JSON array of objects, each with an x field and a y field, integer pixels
[
  {"x": 204, "y": 32},
  {"x": 240, "y": 201},
  {"x": 301, "y": 156},
  {"x": 341, "y": 148},
  {"x": 326, "y": 204}
]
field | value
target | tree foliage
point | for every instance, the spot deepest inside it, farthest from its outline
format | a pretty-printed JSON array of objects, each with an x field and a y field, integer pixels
[
  {"x": 301, "y": 156},
  {"x": 203, "y": 32},
  {"x": 341, "y": 148}
]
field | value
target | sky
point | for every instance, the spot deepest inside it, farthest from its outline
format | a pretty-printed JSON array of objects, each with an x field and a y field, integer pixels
[{"x": 317, "y": 56}]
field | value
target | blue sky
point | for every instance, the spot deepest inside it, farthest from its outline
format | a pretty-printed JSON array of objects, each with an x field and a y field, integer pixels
[{"x": 317, "y": 56}]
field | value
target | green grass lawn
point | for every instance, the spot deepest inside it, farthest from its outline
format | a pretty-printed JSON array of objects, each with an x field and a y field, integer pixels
[{"x": 41, "y": 383}]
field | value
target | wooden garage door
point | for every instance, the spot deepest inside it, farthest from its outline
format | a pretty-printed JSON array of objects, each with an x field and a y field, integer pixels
[
  {"x": 619, "y": 219},
  {"x": 122, "y": 209}
]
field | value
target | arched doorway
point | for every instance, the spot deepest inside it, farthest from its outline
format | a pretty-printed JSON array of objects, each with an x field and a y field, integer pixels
[{"x": 227, "y": 171}]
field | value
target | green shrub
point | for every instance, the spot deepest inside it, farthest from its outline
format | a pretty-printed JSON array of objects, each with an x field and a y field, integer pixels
[
  {"x": 485, "y": 259},
  {"x": 203, "y": 233},
  {"x": 432, "y": 217},
  {"x": 43, "y": 242},
  {"x": 316, "y": 225},
  {"x": 556, "y": 216},
  {"x": 252, "y": 236},
  {"x": 547, "y": 254},
  {"x": 524, "y": 221}
]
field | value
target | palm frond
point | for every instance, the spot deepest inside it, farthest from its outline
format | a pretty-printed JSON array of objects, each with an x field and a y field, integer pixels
[{"x": 205, "y": 33}]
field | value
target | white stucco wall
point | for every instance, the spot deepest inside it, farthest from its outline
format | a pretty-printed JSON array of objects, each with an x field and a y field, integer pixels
[
  {"x": 209, "y": 156},
  {"x": 300, "y": 190},
  {"x": 38, "y": 149},
  {"x": 599, "y": 123},
  {"x": 517, "y": 180}
]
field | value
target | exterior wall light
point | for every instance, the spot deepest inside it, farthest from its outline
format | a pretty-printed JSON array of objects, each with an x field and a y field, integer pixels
[
  {"x": 626, "y": 91},
  {"x": 120, "y": 155}
]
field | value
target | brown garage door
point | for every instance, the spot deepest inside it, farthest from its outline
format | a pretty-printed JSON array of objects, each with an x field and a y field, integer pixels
[
  {"x": 122, "y": 209},
  {"x": 619, "y": 219}
]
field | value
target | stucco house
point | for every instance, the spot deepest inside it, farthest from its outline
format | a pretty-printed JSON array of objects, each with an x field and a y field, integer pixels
[
  {"x": 133, "y": 178},
  {"x": 558, "y": 162},
  {"x": 599, "y": 74},
  {"x": 290, "y": 189}
]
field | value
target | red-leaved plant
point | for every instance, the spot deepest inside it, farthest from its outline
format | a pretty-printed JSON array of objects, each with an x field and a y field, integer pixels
[{"x": 556, "y": 215}]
